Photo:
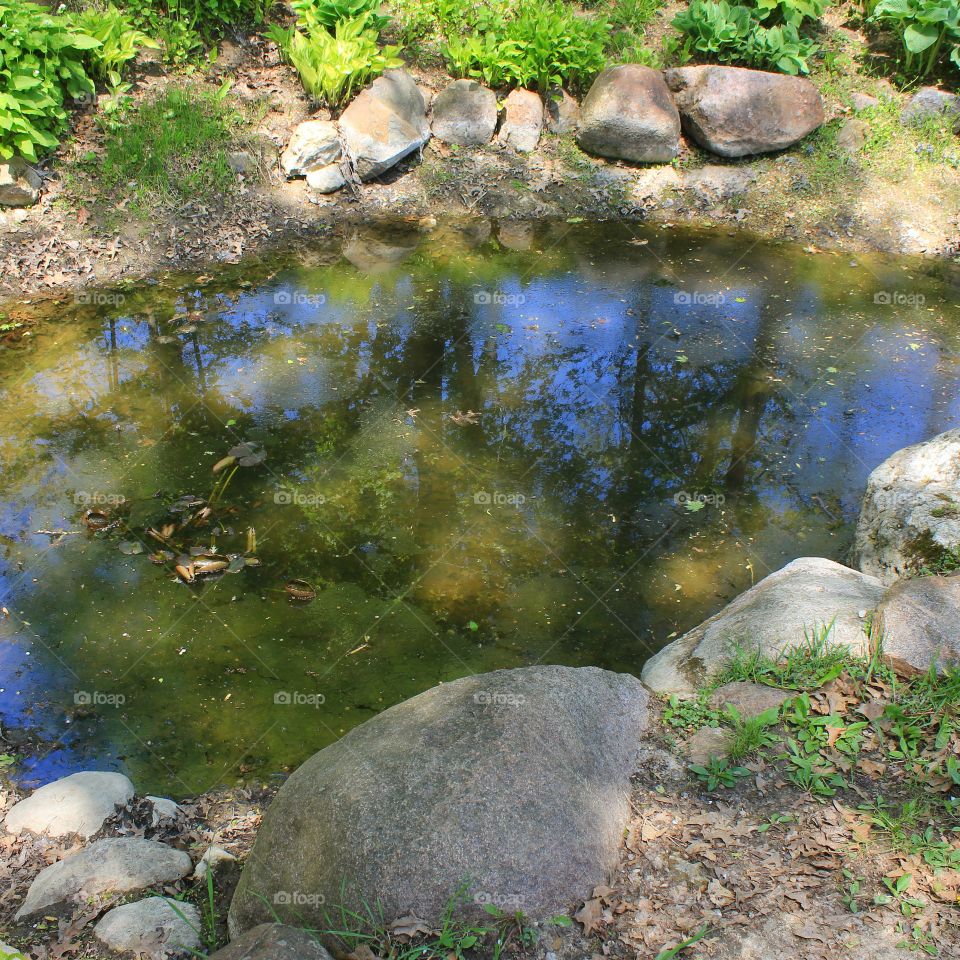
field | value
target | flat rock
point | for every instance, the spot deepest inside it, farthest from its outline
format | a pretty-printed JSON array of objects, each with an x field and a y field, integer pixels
[
  {"x": 19, "y": 183},
  {"x": 773, "y": 615},
  {"x": 214, "y": 858},
  {"x": 78, "y": 804},
  {"x": 522, "y": 120},
  {"x": 314, "y": 143},
  {"x": 163, "y": 810},
  {"x": 735, "y": 112},
  {"x": 629, "y": 114},
  {"x": 863, "y": 101},
  {"x": 273, "y": 941},
  {"x": 384, "y": 124},
  {"x": 921, "y": 620},
  {"x": 155, "y": 928},
  {"x": 911, "y": 509},
  {"x": 717, "y": 182},
  {"x": 117, "y": 864},
  {"x": 930, "y": 102},
  {"x": 326, "y": 179},
  {"x": 464, "y": 113},
  {"x": 403, "y": 808},
  {"x": 707, "y": 743},
  {"x": 561, "y": 113},
  {"x": 852, "y": 135},
  {"x": 748, "y": 699}
]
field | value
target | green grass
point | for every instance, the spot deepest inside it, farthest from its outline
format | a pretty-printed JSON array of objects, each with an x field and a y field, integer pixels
[
  {"x": 167, "y": 151},
  {"x": 751, "y": 735},
  {"x": 806, "y": 666}
]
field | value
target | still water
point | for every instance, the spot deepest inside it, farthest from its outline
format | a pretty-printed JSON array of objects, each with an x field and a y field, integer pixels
[{"x": 485, "y": 446}]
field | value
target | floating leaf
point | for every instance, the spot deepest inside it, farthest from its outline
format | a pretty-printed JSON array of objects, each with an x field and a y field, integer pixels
[
  {"x": 236, "y": 564},
  {"x": 130, "y": 547},
  {"x": 222, "y": 464},
  {"x": 300, "y": 590},
  {"x": 96, "y": 520}
]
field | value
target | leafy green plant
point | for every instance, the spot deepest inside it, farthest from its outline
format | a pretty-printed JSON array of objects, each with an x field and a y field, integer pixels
[
  {"x": 733, "y": 33},
  {"x": 810, "y": 773},
  {"x": 897, "y": 888},
  {"x": 794, "y": 12},
  {"x": 119, "y": 40},
  {"x": 717, "y": 772},
  {"x": 333, "y": 66},
  {"x": 926, "y": 29},
  {"x": 540, "y": 45},
  {"x": 314, "y": 14},
  {"x": 751, "y": 734},
  {"x": 41, "y": 69},
  {"x": 690, "y": 714}
]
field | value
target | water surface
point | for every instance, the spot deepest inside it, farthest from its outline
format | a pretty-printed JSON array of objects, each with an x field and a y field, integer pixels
[{"x": 486, "y": 446}]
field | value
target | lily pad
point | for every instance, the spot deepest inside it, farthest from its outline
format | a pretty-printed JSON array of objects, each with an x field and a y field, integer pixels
[
  {"x": 130, "y": 547},
  {"x": 248, "y": 454}
]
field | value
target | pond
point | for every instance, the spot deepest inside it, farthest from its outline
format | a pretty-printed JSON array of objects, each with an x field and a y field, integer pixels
[{"x": 480, "y": 446}]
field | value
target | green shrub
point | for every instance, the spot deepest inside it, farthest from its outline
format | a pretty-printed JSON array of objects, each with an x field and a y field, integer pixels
[
  {"x": 539, "y": 45},
  {"x": 41, "y": 69},
  {"x": 928, "y": 29},
  {"x": 733, "y": 33},
  {"x": 119, "y": 41},
  {"x": 333, "y": 67},
  {"x": 314, "y": 14},
  {"x": 187, "y": 27}
]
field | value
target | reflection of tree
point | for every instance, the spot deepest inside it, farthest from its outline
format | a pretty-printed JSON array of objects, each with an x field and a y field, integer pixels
[{"x": 596, "y": 432}]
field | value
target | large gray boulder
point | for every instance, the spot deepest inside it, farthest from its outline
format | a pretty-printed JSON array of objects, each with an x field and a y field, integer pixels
[
  {"x": 735, "y": 112},
  {"x": 118, "y": 864},
  {"x": 921, "y": 620},
  {"x": 629, "y": 115},
  {"x": 464, "y": 114},
  {"x": 154, "y": 929},
  {"x": 78, "y": 804},
  {"x": 798, "y": 600},
  {"x": 910, "y": 515},
  {"x": 384, "y": 124},
  {"x": 19, "y": 183},
  {"x": 517, "y": 781},
  {"x": 273, "y": 941}
]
